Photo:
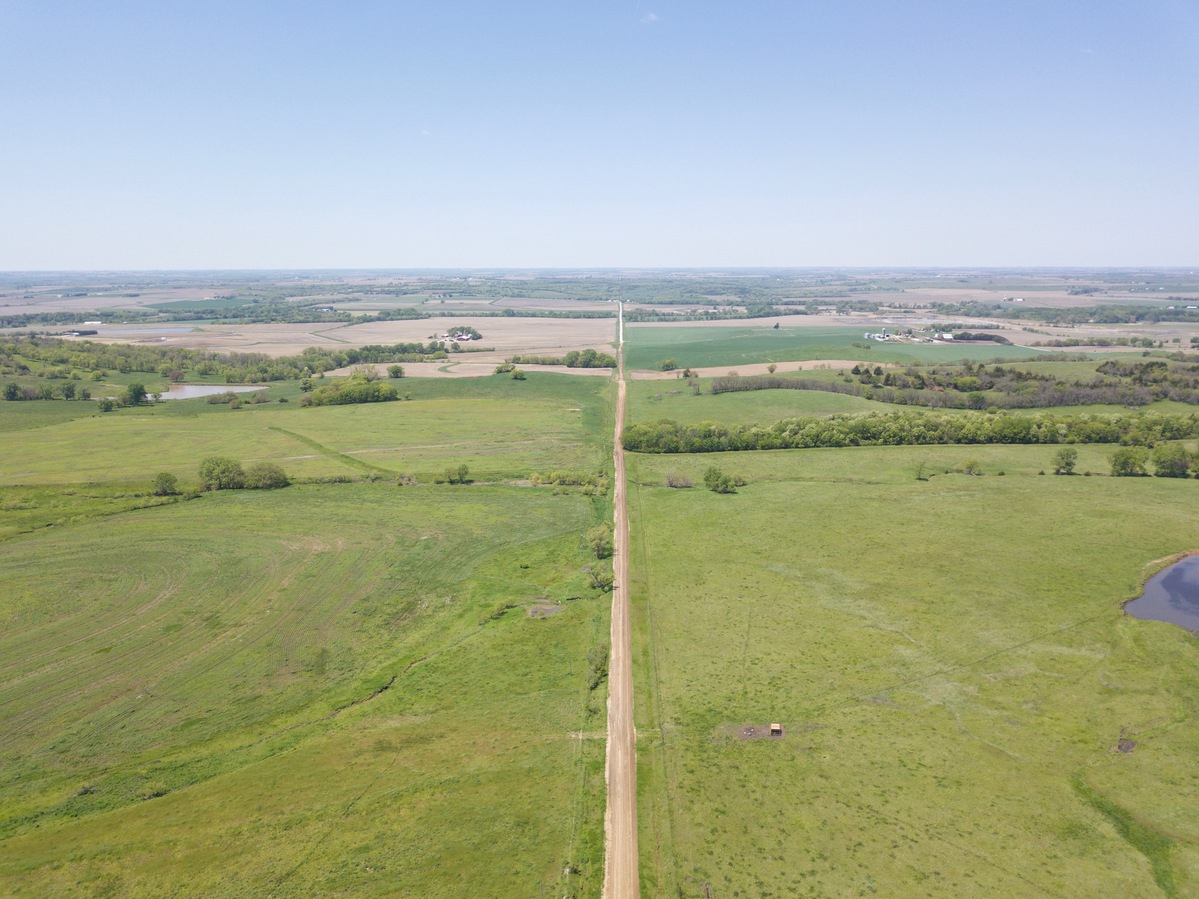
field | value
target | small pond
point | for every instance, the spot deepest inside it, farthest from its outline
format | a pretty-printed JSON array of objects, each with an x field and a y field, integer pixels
[
  {"x": 1171, "y": 595},
  {"x": 191, "y": 391}
]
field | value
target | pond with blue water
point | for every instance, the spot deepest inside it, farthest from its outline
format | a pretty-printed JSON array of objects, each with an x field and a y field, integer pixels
[{"x": 1171, "y": 595}]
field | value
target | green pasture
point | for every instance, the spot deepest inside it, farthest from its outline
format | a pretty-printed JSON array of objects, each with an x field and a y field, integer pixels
[
  {"x": 674, "y": 400},
  {"x": 949, "y": 660},
  {"x": 654, "y": 400},
  {"x": 319, "y": 690},
  {"x": 500, "y": 428},
  {"x": 26, "y": 414},
  {"x": 706, "y": 346}
]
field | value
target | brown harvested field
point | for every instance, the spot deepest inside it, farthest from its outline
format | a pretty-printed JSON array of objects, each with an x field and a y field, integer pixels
[
  {"x": 1059, "y": 299},
  {"x": 18, "y": 303},
  {"x": 19, "y": 306},
  {"x": 476, "y": 365},
  {"x": 546, "y": 303},
  {"x": 537, "y": 336}
]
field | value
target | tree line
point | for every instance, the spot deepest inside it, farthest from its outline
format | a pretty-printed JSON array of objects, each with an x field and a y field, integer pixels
[
  {"x": 53, "y": 358},
  {"x": 574, "y": 359},
  {"x": 1114, "y": 314},
  {"x": 910, "y": 428},
  {"x": 978, "y": 387}
]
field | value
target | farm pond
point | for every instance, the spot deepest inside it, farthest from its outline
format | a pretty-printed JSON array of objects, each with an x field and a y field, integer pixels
[
  {"x": 1171, "y": 595},
  {"x": 191, "y": 391}
]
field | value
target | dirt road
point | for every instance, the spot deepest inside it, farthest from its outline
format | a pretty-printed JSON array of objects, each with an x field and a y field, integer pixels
[{"x": 620, "y": 820}]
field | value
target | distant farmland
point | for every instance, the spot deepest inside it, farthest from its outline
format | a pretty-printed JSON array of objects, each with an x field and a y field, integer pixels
[{"x": 705, "y": 346}]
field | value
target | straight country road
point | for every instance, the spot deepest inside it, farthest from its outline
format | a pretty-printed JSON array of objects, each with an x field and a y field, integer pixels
[{"x": 620, "y": 819}]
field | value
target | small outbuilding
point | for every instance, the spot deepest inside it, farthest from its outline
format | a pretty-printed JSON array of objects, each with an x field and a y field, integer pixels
[{"x": 776, "y": 730}]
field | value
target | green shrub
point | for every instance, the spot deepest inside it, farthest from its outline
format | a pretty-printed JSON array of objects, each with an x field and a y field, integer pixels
[
  {"x": 266, "y": 476},
  {"x": 1171, "y": 460},
  {"x": 165, "y": 484},
  {"x": 1129, "y": 462},
  {"x": 220, "y": 473},
  {"x": 719, "y": 482},
  {"x": 599, "y": 540},
  {"x": 353, "y": 390},
  {"x": 1064, "y": 460}
]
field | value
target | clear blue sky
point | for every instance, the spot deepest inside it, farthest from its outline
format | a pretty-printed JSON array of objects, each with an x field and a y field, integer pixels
[{"x": 598, "y": 133}]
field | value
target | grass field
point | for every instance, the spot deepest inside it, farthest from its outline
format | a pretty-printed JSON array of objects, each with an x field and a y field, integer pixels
[
  {"x": 652, "y": 400},
  {"x": 342, "y": 687},
  {"x": 951, "y": 665},
  {"x": 674, "y": 400},
  {"x": 500, "y": 428},
  {"x": 698, "y": 347}
]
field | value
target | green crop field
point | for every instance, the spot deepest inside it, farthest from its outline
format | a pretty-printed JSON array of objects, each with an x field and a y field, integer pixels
[
  {"x": 329, "y": 688},
  {"x": 706, "y": 346},
  {"x": 949, "y": 660}
]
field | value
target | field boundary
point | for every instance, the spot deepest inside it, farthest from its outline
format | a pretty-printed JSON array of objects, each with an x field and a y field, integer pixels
[{"x": 332, "y": 453}]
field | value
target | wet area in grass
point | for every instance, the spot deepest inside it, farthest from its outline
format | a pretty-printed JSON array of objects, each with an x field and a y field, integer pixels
[{"x": 1171, "y": 595}]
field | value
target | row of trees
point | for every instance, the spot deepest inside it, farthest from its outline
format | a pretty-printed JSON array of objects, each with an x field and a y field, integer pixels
[
  {"x": 910, "y": 428},
  {"x": 1105, "y": 314},
  {"x": 14, "y": 392},
  {"x": 1170, "y": 460},
  {"x": 965, "y": 387},
  {"x": 222, "y": 473},
  {"x": 574, "y": 359},
  {"x": 60, "y": 359}
]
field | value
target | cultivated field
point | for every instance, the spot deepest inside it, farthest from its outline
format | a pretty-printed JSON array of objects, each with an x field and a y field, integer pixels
[
  {"x": 505, "y": 335},
  {"x": 709, "y": 345},
  {"x": 949, "y": 661}
]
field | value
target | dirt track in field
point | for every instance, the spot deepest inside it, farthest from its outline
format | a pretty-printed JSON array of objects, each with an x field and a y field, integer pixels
[{"x": 620, "y": 820}]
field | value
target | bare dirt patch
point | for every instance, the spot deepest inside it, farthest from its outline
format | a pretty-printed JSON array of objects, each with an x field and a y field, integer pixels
[
  {"x": 543, "y": 610},
  {"x": 753, "y": 731}
]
